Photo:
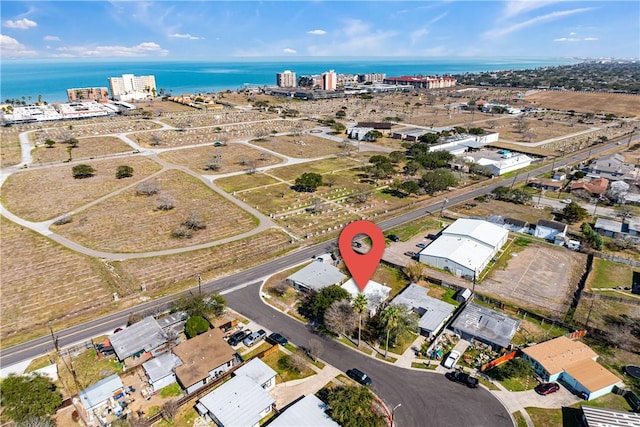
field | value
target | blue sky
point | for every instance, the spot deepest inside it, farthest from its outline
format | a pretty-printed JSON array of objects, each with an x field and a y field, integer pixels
[{"x": 210, "y": 30}]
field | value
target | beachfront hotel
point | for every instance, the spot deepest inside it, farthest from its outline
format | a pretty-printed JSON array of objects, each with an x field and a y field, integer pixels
[
  {"x": 329, "y": 80},
  {"x": 422, "y": 82},
  {"x": 98, "y": 94},
  {"x": 286, "y": 79},
  {"x": 131, "y": 88}
]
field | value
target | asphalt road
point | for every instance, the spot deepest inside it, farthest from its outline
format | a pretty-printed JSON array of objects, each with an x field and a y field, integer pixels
[{"x": 427, "y": 398}]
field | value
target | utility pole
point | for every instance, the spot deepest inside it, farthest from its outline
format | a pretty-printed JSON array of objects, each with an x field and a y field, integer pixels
[
  {"x": 514, "y": 181},
  {"x": 56, "y": 345},
  {"x": 442, "y": 207},
  {"x": 199, "y": 284}
]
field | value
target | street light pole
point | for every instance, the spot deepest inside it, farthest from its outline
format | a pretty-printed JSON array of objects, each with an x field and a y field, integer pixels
[
  {"x": 199, "y": 284},
  {"x": 442, "y": 207},
  {"x": 393, "y": 414}
]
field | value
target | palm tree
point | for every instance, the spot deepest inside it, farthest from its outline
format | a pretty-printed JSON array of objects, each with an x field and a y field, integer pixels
[
  {"x": 390, "y": 317},
  {"x": 360, "y": 305}
]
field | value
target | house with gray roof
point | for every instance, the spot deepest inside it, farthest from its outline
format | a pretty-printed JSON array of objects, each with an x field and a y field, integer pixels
[
  {"x": 240, "y": 402},
  {"x": 433, "y": 312},
  {"x": 143, "y": 336},
  {"x": 259, "y": 372},
  {"x": 97, "y": 397},
  {"x": 602, "y": 417},
  {"x": 608, "y": 227},
  {"x": 316, "y": 276},
  {"x": 485, "y": 325},
  {"x": 549, "y": 230},
  {"x": 160, "y": 371},
  {"x": 308, "y": 411}
]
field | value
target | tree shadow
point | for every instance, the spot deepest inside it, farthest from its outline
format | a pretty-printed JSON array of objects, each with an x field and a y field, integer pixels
[{"x": 571, "y": 417}]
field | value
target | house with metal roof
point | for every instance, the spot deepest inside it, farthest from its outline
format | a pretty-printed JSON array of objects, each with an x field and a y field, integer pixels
[
  {"x": 549, "y": 230},
  {"x": 608, "y": 227},
  {"x": 602, "y": 417},
  {"x": 574, "y": 363},
  {"x": 315, "y": 276},
  {"x": 308, "y": 411},
  {"x": 160, "y": 371},
  {"x": 204, "y": 358},
  {"x": 240, "y": 402},
  {"x": 465, "y": 248},
  {"x": 143, "y": 336},
  {"x": 259, "y": 372},
  {"x": 97, "y": 397},
  {"x": 485, "y": 325},
  {"x": 375, "y": 292},
  {"x": 433, "y": 312}
]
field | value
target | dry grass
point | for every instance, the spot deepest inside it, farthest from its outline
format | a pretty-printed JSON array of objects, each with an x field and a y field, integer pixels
[
  {"x": 87, "y": 148},
  {"x": 157, "y": 106},
  {"x": 233, "y": 158},
  {"x": 619, "y": 104},
  {"x": 512, "y": 210},
  {"x": 10, "y": 153},
  {"x": 131, "y": 223},
  {"x": 62, "y": 130},
  {"x": 244, "y": 182},
  {"x": 41, "y": 282},
  {"x": 302, "y": 146},
  {"x": 290, "y": 173},
  {"x": 541, "y": 130},
  {"x": 38, "y": 195}
]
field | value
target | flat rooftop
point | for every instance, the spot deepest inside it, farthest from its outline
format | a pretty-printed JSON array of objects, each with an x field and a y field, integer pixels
[{"x": 486, "y": 324}]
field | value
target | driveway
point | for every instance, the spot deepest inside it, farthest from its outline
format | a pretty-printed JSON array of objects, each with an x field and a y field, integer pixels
[
  {"x": 427, "y": 398},
  {"x": 523, "y": 399}
]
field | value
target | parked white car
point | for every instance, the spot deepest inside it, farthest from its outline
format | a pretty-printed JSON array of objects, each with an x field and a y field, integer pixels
[{"x": 451, "y": 360}]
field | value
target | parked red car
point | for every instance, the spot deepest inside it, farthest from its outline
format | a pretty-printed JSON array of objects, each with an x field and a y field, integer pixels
[{"x": 547, "y": 388}]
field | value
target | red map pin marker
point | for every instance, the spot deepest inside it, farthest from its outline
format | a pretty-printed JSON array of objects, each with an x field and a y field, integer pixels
[{"x": 361, "y": 266}]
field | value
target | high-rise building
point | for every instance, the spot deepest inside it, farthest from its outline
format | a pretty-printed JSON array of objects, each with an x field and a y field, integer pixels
[
  {"x": 329, "y": 80},
  {"x": 286, "y": 79},
  {"x": 99, "y": 94},
  {"x": 130, "y": 87}
]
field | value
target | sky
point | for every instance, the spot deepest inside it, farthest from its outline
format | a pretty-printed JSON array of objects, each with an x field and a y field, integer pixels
[{"x": 210, "y": 30}]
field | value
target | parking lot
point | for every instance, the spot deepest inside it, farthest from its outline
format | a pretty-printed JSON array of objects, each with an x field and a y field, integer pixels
[{"x": 399, "y": 252}]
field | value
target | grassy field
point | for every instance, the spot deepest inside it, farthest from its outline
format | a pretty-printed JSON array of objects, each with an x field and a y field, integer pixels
[
  {"x": 10, "y": 153},
  {"x": 424, "y": 225},
  {"x": 285, "y": 373},
  {"x": 512, "y": 210},
  {"x": 601, "y": 103},
  {"x": 540, "y": 130},
  {"x": 609, "y": 274},
  {"x": 290, "y": 173},
  {"x": 41, "y": 283},
  {"x": 571, "y": 416},
  {"x": 89, "y": 369},
  {"x": 232, "y": 158},
  {"x": 301, "y": 146},
  {"x": 25, "y": 195},
  {"x": 245, "y": 182},
  {"x": 128, "y": 222},
  {"x": 87, "y": 148}
]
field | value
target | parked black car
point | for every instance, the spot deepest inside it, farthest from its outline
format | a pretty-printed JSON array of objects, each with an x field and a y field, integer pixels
[
  {"x": 463, "y": 378},
  {"x": 393, "y": 238},
  {"x": 359, "y": 376},
  {"x": 276, "y": 338},
  {"x": 237, "y": 337}
]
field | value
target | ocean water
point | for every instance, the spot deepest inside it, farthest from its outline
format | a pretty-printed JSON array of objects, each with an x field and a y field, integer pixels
[{"x": 49, "y": 79}]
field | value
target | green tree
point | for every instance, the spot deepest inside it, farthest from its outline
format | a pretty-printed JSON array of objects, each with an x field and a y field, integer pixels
[
  {"x": 390, "y": 318},
  {"x": 591, "y": 236},
  {"x": 397, "y": 156},
  {"x": 372, "y": 135},
  {"x": 338, "y": 127},
  {"x": 360, "y": 305},
  {"x": 203, "y": 305},
  {"x": 573, "y": 212},
  {"x": 341, "y": 113},
  {"x": 429, "y": 138},
  {"x": 514, "y": 368},
  {"x": 317, "y": 303},
  {"x": 410, "y": 187},
  {"x": 24, "y": 397},
  {"x": 352, "y": 406},
  {"x": 437, "y": 180},
  {"x": 195, "y": 326},
  {"x": 124, "y": 171},
  {"x": 49, "y": 143},
  {"x": 308, "y": 182},
  {"x": 82, "y": 171}
]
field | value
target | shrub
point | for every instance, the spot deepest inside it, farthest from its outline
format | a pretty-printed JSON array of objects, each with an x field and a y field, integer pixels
[
  {"x": 66, "y": 219},
  {"x": 195, "y": 221},
  {"x": 124, "y": 171},
  {"x": 182, "y": 232},
  {"x": 195, "y": 326},
  {"x": 147, "y": 188},
  {"x": 82, "y": 171},
  {"x": 165, "y": 203}
]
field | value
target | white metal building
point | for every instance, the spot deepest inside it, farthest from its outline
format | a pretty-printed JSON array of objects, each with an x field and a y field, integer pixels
[
  {"x": 306, "y": 412},
  {"x": 465, "y": 247}
]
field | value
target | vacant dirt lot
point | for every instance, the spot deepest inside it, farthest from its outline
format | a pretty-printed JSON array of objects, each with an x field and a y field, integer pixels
[
  {"x": 87, "y": 148},
  {"x": 131, "y": 223},
  {"x": 303, "y": 146},
  {"x": 41, "y": 194},
  {"x": 541, "y": 276},
  {"x": 602, "y": 103},
  {"x": 10, "y": 153}
]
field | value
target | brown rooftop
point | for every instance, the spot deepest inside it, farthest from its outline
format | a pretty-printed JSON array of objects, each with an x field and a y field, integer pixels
[
  {"x": 557, "y": 354},
  {"x": 200, "y": 355},
  {"x": 591, "y": 374}
]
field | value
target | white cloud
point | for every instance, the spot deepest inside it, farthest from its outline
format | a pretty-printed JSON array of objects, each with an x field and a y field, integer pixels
[
  {"x": 12, "y": 48},
  {"x": 317, "y": 32},
  {"x": 289, "y": 50},
  {"x": 572, "y": 33},
  {"x": 566, "y": 39},
  {"x": 590, "y": 39},
  {"x": 51, "y": 38},
  {"x": 499, "y": 32},
  {"x": 415, "y": 35},
  {"x": 185, "y": 36},
  {"x": 518, "y": 7},
  {"x": 357, "y": 38},
  {"x": 20, "y": 24},
  {"x": 140, "y": 50}
]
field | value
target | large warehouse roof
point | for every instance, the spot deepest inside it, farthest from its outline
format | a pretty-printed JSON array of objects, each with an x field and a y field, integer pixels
[
  {"x": 477, "y": 229},
  {"x": 464, "y": 251}
]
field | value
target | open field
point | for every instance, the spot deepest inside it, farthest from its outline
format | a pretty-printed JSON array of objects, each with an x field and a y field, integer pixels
[
  {"x": 26, "y": 195},
  {"x": 245, "y": 182},
  {"x": 232, "y": 158},
  {"x": 87, "y": 148},
  {"x": 600, "y": 103},
  {"x": 302, "y": 146},
  {"x": 609, "y": 274},
  {"x": 110, "y": 125},
  {"x": 213, "y": 117},
  {"x": 540, "y": 130},
  {"x": 159, "y": 106},
  {"x": 290, "y": 173},
  {"x": 597, "y": 310},
  {"x": 10, "y": 153},
  {"x": 42, "y": 281},
  {"x": 498, "y": 207},
  {"x": 538, "y": 276},
  {"x": 128, "y": 222}
]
